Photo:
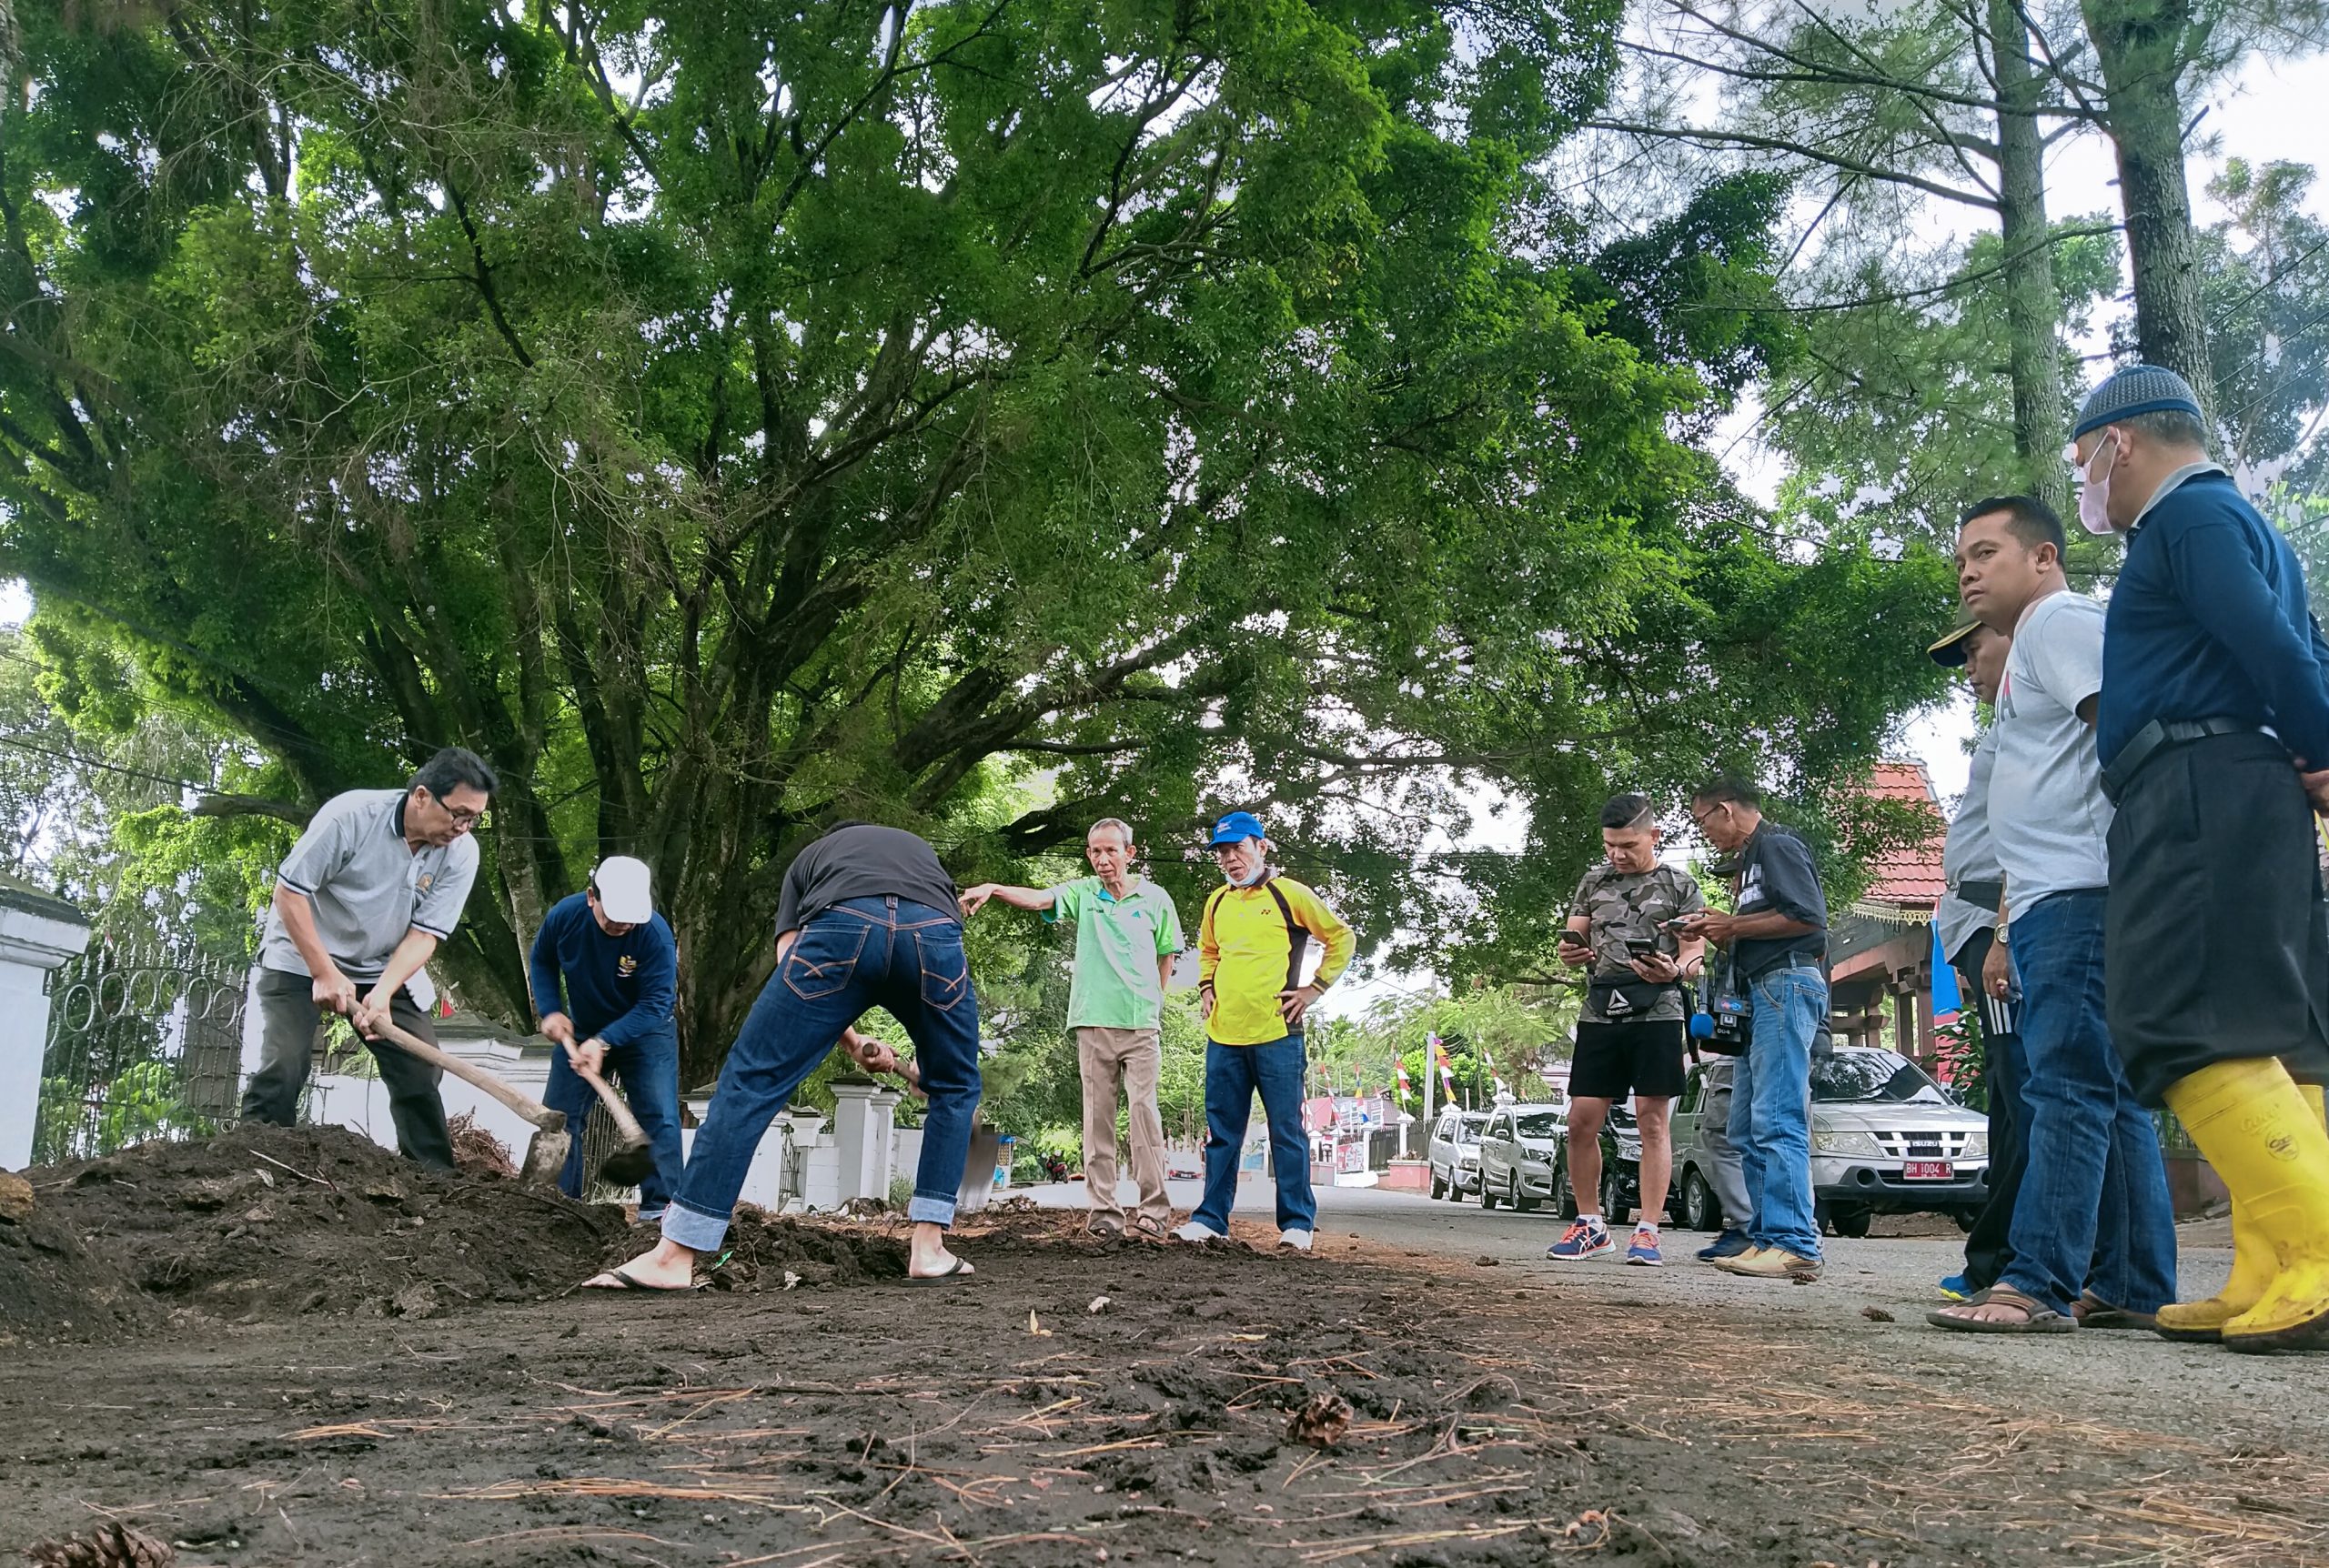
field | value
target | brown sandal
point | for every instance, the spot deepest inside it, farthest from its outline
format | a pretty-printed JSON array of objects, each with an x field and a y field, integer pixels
[
  {"x": 2037, "y": 1318},
  {"x": 1150, "y": 1228},
  {"x": 2093, "y": 1312}
]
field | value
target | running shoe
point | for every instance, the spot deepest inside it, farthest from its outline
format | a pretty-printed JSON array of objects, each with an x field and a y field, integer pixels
[{"x": 1585, "y": 1238}]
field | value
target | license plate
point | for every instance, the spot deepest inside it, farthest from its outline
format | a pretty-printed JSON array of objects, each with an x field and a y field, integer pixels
[{"x": 1928, "y": 1171}]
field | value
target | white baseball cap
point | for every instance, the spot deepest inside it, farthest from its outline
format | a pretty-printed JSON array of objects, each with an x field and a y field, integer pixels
[{"x": 626, "y": 890}]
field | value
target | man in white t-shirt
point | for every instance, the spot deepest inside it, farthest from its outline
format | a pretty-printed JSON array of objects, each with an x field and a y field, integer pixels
[{"x": 2093, "y": 1233}]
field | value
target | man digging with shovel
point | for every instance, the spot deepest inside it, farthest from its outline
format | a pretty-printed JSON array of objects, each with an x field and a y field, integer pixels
[
  {"x": 605, "y": 974},
  {"x": 374, "y": 884},
  {"x": 868, "y": 917}
]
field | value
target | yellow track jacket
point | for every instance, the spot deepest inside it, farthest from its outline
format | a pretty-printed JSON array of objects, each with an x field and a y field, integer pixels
[{"x": 1247, "y": 954}]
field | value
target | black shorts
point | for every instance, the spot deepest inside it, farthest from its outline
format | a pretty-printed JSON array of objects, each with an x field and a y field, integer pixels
[{"x": 1614, "y": 1059}]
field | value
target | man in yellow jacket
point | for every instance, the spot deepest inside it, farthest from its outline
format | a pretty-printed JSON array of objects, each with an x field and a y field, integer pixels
[{"x": 1251, "y": 945}]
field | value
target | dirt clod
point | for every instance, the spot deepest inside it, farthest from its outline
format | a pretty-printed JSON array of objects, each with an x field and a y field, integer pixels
[{"x": 16, "y": 1199}]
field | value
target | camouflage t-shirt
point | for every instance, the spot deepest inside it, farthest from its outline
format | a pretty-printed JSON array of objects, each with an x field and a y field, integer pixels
[{"x": 1625, "y": 906}]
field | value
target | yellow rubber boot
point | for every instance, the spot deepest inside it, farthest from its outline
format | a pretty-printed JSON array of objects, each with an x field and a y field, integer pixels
[
  {"x": 2253, "y": 1267},
  {"x": 2271, "y": 1149}
]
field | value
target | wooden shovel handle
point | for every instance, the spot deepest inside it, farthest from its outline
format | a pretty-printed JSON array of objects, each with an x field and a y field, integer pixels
[
  {"x": 533, "y": 1111},
  {"x": 625, "y": 1122}
]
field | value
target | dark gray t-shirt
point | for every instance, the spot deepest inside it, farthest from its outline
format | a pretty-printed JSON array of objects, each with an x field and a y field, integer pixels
[
  {"x": 862, "y": 861},
  {"x": 1776, "y": 876}
]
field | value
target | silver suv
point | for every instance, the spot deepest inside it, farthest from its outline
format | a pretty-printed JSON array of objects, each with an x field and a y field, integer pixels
[
  {"x": 1455, "y": 1153},
  {"x": 1885, "y": 1140},
  {"x": 1519, "y": 1149}
]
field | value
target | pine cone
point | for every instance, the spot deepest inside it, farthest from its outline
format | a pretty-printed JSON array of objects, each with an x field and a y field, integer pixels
[{"x": 113, "y": 1546}]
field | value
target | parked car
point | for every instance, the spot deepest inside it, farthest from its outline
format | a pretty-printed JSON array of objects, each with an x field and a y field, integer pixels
[
  {"x": 1454, "y": 1152},
  {"x": 1520, "y": 1147},
  {"x": 1885, "y": 1140}
]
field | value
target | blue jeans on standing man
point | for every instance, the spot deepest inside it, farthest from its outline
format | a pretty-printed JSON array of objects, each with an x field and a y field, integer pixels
[
  {"x": 647, "y": 1069},
  {"x": 1232, "y": 1074},
  {"x": 886, "y": 953},
  {"x": 1771, "y": 1106},
  {"x": 2094, "y": 1213}
]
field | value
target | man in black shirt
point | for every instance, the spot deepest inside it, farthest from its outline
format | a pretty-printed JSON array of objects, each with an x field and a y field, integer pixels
[
  {"x": 868, "y": 917},
  {"x": 1776, "y": 940}
]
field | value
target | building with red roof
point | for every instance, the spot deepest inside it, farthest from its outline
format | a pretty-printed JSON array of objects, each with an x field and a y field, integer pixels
[{"x": 1880, "y": 949}]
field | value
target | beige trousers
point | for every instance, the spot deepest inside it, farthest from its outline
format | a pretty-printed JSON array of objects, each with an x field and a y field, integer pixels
[{"x": 1136, "y": 1056}]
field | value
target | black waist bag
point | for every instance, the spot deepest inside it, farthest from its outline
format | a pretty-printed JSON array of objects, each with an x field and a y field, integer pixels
[{"x": 1641, "y": 996}]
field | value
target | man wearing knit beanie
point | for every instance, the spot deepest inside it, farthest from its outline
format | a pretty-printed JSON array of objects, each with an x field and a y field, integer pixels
[{"x": 2214, "y": 730}]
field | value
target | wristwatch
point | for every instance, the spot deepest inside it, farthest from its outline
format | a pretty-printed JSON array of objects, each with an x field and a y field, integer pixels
[{"x": 2003, "y": 939}]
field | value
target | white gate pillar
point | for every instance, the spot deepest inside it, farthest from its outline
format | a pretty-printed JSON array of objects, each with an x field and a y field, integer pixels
[
  {"x": 37, "y": 933},
  {"x": 864, "y": 1143}
]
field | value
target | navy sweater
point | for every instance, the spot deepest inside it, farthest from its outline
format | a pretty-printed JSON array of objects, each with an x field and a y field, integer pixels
[
  {"x": 2208, "y": 620},
  {"x": 620, "y": 990}
]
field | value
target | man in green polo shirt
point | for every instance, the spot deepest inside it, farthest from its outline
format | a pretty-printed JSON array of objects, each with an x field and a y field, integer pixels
[{"x": 1127, "y": 934}]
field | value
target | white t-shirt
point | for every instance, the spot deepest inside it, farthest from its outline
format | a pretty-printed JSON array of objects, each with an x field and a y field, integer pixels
[{"x": 2048, "y": 815}]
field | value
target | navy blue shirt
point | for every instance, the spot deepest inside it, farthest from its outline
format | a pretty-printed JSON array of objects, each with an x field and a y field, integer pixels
[
  {"x": 2208, "y": 620},
  {"x": 1776, "y": 876},
  {"x": 620, "y": 990}
]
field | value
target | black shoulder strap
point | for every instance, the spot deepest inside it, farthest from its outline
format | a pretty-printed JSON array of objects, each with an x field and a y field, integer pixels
[{"x": 1297, "y": 937}]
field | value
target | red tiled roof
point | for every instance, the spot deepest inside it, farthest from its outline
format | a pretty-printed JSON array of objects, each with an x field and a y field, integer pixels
[{"x": 1911, "y": 875}]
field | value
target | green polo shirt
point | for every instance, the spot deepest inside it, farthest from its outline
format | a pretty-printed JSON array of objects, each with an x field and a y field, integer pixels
[{"x": 1117, "y": 944}]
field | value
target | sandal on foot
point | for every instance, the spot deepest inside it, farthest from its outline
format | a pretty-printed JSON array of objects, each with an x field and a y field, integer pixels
[
  {"x": 960, "y": 1269},
  {"x": 2093, "y": 1312},
  {"x": 2037, "y": 1318},
  {"x": 628, "y": 1281}
]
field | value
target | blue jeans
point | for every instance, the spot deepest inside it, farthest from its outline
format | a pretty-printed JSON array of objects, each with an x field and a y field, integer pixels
[
  {"x": 886, "y": 953},
  {"x": 1770, "y": 1107},
  {"x": 2093, "y": 1211},
  {"x": 1232, "y": 1074},
  {"x": 648, "y": 1069}
]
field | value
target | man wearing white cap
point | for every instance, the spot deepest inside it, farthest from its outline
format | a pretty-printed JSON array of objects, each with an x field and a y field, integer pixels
[{"x": 605, "y": 975}]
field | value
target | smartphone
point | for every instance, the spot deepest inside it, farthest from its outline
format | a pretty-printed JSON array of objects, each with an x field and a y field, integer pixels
[
  {"x": 1573, "y": 938},
  {"x": 1639, "y": 948}
]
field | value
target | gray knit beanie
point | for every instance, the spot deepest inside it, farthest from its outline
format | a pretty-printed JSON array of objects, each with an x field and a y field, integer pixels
[{"x": 2137, "y": 389}]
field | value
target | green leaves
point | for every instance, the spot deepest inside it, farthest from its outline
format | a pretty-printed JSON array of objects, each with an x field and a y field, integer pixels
[{"x": 983, "y": 417}]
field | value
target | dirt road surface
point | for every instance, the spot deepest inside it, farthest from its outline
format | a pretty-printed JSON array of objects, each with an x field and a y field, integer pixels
[{"x": 1498, "y": 1412}]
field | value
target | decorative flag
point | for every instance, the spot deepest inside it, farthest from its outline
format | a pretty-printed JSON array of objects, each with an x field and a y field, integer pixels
[
  {"x": 1447, "y": 1072},
  {"x": 1399, "y": 1068},
  {"x": 1947, "y": 1002}
]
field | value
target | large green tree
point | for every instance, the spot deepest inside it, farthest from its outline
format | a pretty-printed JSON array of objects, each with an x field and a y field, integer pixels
[{"x": 727, "y": 416}]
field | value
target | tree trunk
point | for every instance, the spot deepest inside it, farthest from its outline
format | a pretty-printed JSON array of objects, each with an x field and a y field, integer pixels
[
  {"x": 2034, "y": 308},
  {"x": 2140, "y": 44}
]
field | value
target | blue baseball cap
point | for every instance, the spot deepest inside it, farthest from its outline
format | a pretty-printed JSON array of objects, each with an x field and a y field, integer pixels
[{"x": 1237, "y": 825}]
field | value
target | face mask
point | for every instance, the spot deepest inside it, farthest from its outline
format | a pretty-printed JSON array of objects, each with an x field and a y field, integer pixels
[
  {"x": 2094, "y": 491},
  {"x": 1261, "y": 869}
]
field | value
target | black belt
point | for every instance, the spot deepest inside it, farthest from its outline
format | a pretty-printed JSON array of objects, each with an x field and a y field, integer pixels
[
  {"x": 1981, "y": 895},
  {"x": 2161, "y": 732}
]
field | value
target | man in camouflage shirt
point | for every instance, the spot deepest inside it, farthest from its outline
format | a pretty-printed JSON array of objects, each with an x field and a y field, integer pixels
[{"x": 1629, "y": 1032}]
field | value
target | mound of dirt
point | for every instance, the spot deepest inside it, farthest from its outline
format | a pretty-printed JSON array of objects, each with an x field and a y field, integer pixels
[
  {"x": 763, "y": 1248},
  {"x": 53, "y": 1288},
  {"x": 271, "y": 1223}
]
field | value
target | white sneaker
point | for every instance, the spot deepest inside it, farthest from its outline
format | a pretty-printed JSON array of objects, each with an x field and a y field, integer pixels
[
  {"x": 1297, "y": 1239},
  {"x": 1193, "y": 1231}
]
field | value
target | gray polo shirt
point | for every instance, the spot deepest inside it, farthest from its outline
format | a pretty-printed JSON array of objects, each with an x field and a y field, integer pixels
[
  {"x": 366, "y": 886},
  {"x": 1969, "y": 855},
  {"x": 2048, "y": 816}
]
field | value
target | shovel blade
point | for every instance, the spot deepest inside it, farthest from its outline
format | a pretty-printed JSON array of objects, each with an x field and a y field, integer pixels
[
  {"x": 978, "y": 1169},
  {"x": 545, "y": 1159},
  {"x": 628, "y": 1166}
]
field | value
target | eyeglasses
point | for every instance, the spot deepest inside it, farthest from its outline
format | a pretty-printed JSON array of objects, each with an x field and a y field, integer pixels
[
  {"x": 461, "y": 818},
  {"x": 1701, "y": 818}
]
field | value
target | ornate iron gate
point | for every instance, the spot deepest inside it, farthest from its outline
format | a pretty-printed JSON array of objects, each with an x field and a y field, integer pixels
[{"x": 143, "y": 1043}]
